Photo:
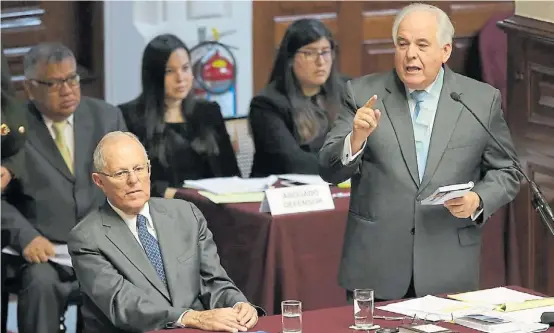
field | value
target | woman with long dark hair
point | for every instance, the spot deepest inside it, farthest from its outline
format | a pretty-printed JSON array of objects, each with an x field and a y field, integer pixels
[
  {"x": 185, "y": 137},
  {"x": 291, "y": 116}
]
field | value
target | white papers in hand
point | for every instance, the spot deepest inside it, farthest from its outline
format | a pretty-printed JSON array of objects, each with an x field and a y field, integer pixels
[
  {"x": 61, "y": 256},
  {"x": 226, "y": 185},
  {"x": 445, "y": 193}
]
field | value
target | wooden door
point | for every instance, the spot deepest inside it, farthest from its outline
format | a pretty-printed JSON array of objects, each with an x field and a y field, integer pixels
[
  {"x": 363, "y": 30},
  {"x": 77, "y": 24}
]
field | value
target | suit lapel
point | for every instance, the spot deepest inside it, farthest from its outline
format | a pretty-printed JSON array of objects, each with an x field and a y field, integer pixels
[
  {"x": 446, "y": 117},
  {"x": 396, "y": 106},
  {"x": 170, "y": 246},
  {"x": 120, "y": 235},
  {"x": 42, "y": 140},
  {"x": 83, "y": 133}
]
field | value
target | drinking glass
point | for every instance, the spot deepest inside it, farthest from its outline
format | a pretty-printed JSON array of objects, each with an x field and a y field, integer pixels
[
  {"x": 291, "y": 316},
  {"x": 363, "y": 308}
]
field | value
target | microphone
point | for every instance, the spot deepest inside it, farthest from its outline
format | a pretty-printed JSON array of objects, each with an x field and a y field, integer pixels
[{"x": 539, "y": 202}]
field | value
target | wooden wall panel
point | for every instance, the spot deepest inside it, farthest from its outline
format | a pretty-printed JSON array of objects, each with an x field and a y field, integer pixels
[
  {"x": 363, "y": 30},
  {"x": 530, "y": 114},
  {"x": 78, "y": 25}
]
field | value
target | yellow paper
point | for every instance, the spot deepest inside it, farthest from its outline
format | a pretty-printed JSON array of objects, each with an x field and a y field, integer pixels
[
  {"x": 503, "y": 299},
  {"x": 531, "y": 304},
  {"x": 233, "y": 197}
]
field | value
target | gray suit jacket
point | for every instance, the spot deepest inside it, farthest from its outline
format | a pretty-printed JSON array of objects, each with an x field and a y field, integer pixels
[
  {"x": 50, "y": 199},
  {"x": 390, "y": 236},
  {"x": 123, "y": 293}
]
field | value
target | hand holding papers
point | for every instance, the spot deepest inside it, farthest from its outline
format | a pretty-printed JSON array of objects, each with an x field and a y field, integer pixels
[
  {"x": 62, "y": 256},
  {"x": 445, "y": 193}
]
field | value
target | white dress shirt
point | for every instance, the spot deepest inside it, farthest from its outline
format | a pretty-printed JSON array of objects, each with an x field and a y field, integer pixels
[
  {"x": 431, "y": 102},
  {"x": 68, "y": 133},
  {"x": 131, "y": 221}
]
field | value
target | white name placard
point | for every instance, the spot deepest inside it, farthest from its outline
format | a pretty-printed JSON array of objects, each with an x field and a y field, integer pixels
[{"x": 297, "y": 199}]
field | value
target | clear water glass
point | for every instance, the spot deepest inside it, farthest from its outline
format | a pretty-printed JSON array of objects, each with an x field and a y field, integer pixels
[
  {"x": 363, "y": 308},
  {"x": 291, "y": 316}
]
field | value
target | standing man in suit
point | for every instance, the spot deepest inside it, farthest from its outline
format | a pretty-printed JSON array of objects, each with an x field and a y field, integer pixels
[
  {"x": 399, "y": 138},
  {"x": 149, "y": 263},
  {"x": 55, "y": 189}
]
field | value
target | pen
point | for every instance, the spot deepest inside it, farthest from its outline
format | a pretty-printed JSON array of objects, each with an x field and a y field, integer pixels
[{"x": 390, "y": 318}]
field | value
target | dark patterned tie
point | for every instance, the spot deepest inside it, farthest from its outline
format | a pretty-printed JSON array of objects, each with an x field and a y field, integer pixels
[{"x": 151, "y": 246}]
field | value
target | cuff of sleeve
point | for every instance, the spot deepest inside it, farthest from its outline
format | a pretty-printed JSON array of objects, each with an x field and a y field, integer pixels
[
  {"x": 476, "y": 215},
  {"x": 347, "y": 156},
  {"x": 179, "y": 322}
]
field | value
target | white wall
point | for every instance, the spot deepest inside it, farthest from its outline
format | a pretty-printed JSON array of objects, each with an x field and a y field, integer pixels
[
  {"x": 130, "y": 25},
  {"x": 539, "y": 10}
]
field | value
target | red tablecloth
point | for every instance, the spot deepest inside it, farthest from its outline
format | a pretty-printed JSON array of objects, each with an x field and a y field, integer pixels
[
  {"x": 335, "y": 320},
  {"x": 275, "y": 258}
]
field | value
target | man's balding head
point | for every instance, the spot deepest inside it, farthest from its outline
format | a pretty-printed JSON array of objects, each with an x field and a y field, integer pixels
[{"x": 122, "y": 171}]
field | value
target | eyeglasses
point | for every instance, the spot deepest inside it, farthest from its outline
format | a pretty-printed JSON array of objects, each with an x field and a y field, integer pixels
[
  {"x": 313, "y": 55},
  {"x": 122, "y": 175},
  {"x": 57, "y": 84}
]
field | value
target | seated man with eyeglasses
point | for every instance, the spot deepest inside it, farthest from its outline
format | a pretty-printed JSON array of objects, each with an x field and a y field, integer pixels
[
  {"x": 55, "y": 190},
  {"x": 149, "y": 263}
]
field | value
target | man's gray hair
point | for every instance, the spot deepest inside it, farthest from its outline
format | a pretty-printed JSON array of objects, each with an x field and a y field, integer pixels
[
  {"x": 45, "y": 53},
  {"x": 98, "y": 156},
  {"x": 445, "y": 32}
]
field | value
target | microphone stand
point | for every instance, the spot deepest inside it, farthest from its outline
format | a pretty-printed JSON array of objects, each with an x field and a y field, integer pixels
[{"x": 538, "y": 201}]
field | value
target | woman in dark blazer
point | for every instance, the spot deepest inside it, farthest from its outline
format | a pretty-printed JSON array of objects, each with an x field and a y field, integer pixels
[
  {"x": 291, "y": 116},
  {"x": 185, "y": 137}
]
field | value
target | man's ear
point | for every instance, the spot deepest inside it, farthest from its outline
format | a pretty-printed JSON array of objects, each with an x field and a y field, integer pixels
[
  {"x": 98, "y": 180},
  {"x": 447, "y": 51},
  {"x": 28, "y": 90}
]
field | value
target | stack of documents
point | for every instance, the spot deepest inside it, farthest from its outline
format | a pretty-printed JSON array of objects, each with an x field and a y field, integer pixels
[
  {"x": 232, "y": 189},
  {"x": 299, "y": 179},
  {"x": 520, "y": 311},
  {"x": 494, "y": 324},
  {"x": 226, "y": 185},
  {"x": 510, "y": 304},
  {"x": 434, "y": 308}
]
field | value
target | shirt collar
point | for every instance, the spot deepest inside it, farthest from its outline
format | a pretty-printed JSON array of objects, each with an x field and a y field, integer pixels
[
  {"x": 434, "y": 88},
  {"x": 49, "y": 121},
  {"x": 132, "y": 219}
]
